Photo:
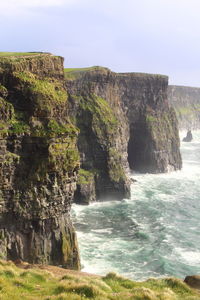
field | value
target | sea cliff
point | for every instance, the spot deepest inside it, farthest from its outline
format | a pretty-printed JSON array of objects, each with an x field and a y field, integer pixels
[
  {"x": 125, "y": 121},
  {"x": 73, "y": 138},
  {"x": 39, "y": 162}
]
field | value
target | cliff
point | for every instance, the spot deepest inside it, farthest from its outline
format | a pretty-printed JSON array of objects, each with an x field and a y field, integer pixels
[
  {"x": 50, "y": 125},
  {"x": 124, "y": 121},
  {"x": 186, "y": 102},
  {"x": 38, "y": 162},
  {"x": 102, "y": 141}
]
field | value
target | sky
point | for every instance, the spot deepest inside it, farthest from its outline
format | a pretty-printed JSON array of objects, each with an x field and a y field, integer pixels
[{"x": 151, "y": 36}]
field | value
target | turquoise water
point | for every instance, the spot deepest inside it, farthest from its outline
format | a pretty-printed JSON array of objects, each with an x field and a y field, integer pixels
[{"x": 153, "y": 234}]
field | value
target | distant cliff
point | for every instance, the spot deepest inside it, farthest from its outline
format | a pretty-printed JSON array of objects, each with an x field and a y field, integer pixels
[
  {"x": 124, "y": 121},
  {"x": 186, "y": 102}
]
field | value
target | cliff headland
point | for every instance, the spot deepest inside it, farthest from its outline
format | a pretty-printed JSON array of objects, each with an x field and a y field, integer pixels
[{"x": 72, "y": 136}]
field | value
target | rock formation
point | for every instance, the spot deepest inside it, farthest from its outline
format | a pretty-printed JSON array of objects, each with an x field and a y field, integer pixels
[
  {"x": 186, "y": 102},
  {"x": 124, "y": 121},
  {"x": 106, "y": 121},
  {"x": 38, "y": 163},
  {"x": 103, "y": 137},
  {"x": 188, "y": 137},
  {"x": 193, "y": 281}
]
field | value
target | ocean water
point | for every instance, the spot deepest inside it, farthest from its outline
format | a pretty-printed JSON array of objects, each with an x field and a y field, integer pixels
[{"x": 155, "y": 233}]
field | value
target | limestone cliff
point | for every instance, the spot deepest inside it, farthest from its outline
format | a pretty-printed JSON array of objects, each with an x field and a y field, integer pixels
[
  {"x": 132, "y": 127},
  {"x": 186, "y": 102},
  {"x": 38, "y": 162}
]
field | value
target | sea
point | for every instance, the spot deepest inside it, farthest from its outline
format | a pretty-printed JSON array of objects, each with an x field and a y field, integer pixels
[{"x": 155, "y": 233}]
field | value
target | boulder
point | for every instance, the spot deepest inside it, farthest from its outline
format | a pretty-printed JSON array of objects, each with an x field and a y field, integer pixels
[{"x": 193, "y": 281}]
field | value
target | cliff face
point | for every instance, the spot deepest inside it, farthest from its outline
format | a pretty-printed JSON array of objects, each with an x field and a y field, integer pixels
[
  {"x": 102, "y": 141},
  {"x": 186, "y": 102},
  {"x": 38, "y": 163},
  {"x": 153, "y": 137},
  {"x": 140, "y": 129}
]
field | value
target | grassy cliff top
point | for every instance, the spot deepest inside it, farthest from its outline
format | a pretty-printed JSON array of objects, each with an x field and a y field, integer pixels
[
  {"x": 47, "y": 282},
  {"x": 18, "y": 54},
  {"x": 40, "y": 63},
  {"x": 74, "y": 73},
  {"x": 94, "y": 68}
]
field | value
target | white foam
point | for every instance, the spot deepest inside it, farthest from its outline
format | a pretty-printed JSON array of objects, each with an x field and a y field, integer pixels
[
  {"x": 191, "y": 257},
  {"x": 105, "y": 230}
]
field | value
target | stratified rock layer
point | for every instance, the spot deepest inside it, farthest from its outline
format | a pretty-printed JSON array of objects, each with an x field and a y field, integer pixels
[{"x": 38, "y": 163}]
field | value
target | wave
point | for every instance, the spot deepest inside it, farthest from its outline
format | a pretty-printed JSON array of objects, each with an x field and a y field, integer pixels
[{"x": 153, "y": 234}]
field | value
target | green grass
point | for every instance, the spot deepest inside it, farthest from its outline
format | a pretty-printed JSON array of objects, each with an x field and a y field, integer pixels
[
  {"x": 74, "y": 73},
  {"x": 67, "y": 70},
  {"x": 51, "y": 89},
  {"x": 103, "y": 115},
  {"x": 54, "y": 283},
  {"x": 5, "y": 54},
  {"x": 85, "y": 176}
]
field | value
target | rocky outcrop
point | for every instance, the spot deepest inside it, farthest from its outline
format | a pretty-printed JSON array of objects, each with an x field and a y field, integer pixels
[
  {"x": 124, "y": 121},
  {"x": 188, "y": 137},
  {"x": 38, "y": 163},
  {"x": 193, "y": 281},
  {"x": 186, "y": 102}
]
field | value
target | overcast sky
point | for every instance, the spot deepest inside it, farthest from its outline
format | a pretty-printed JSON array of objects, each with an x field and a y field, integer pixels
[{"x": 152, "y": 36}]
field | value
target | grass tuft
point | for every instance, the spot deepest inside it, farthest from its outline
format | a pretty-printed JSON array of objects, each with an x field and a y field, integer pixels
[{"x": 17, "y": 284}]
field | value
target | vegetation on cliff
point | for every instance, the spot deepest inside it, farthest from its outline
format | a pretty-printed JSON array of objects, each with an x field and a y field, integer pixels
[
  {"x": 74, "y": 73},
  {"x": 46, "y": 282},
  {"x": 102, "y": 167},
  {"x": 14, "y": 54}
]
